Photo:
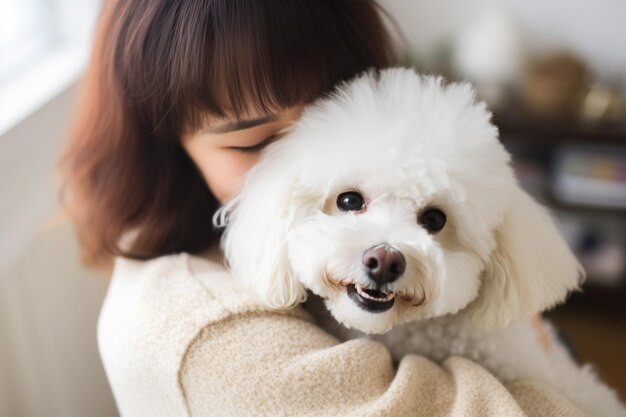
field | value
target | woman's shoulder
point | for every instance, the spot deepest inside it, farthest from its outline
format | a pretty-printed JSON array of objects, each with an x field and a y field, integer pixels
[
  {"x": 141, "y": 294},
  {"x": 151, "y": 314},
  {"x": 180, "y": 283},
  {"x": 167, "y": 300}
]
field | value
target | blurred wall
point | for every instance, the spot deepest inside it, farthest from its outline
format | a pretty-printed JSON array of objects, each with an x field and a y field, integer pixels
[
  {"x": 595, "y": 30},
  {"x": 49, "y": 365}
]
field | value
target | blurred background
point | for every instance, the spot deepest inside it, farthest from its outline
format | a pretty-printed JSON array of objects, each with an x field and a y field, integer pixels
[{"x": 554, "y": 74}]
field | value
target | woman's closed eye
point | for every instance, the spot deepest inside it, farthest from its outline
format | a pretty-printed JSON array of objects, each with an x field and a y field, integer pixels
[
  {"x": 250, "y": 149},
  {"x": 258, "y": 146}
]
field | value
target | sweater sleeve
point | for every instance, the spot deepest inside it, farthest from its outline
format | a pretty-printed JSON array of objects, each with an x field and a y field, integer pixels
[{"x": 262, "y": 363}]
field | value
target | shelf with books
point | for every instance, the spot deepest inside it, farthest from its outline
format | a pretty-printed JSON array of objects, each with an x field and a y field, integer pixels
[{"x": 581, "y": 176}]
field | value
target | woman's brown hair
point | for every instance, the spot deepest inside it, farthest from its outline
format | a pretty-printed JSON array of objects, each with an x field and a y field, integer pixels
[{"x": 157, "y": 68}]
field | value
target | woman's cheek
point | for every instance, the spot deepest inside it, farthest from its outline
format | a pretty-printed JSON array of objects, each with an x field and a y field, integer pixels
[{"x": 225, "y": 171}]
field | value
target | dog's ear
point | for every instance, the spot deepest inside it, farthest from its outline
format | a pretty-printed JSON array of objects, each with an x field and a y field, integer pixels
[
  {"x": 255, "y": 240},
  {"x": 531, "y": 269}
]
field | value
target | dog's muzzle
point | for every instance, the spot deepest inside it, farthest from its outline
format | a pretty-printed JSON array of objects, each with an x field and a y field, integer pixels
[{"x": 383, "y": 264}]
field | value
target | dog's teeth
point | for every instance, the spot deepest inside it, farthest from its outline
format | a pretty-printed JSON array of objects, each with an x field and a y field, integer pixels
[
  {"x": 388, "y": 297},
  {"x": 364, "y": 294},
  {"x": 361, "y": 292}
]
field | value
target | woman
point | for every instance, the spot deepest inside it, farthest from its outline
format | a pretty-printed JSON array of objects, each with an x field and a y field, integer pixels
[{"x": 179, "y": 99}]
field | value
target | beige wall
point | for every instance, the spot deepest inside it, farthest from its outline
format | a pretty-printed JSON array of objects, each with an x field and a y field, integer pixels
[
  {"x": 49, "y": 365},
  {"x": 593, "y": 29}
]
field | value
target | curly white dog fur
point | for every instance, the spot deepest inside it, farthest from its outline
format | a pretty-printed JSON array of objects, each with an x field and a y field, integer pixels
[{"x": 393, "y": 200}]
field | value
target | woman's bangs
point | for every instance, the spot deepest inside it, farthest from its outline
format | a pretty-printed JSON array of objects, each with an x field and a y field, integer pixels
[{"x": 262, "y": 57}]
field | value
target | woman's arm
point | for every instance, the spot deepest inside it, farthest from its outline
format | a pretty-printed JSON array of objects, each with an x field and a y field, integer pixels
[{"x": 273, "y": 364}]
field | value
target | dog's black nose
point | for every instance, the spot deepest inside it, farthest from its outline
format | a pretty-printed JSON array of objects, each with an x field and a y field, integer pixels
[{"x": 383, "y": 263}]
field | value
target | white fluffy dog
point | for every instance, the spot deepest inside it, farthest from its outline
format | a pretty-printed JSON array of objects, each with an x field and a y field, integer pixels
[{"x": 393, "y": 201}]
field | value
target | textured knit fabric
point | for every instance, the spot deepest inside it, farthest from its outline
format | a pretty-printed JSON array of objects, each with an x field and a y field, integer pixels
[{"x": 178, "y": 337}]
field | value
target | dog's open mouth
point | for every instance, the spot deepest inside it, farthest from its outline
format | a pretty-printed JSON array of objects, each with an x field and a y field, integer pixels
[{"x": 370, "y": 300}]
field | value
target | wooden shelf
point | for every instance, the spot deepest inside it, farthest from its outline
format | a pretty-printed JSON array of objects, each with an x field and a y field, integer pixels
[
  {"x": 609, "y": 299},
  {"x": 550, "y": 132},
  {"x": 584, "y": 208},
  {"x": 536, "y": 139}
]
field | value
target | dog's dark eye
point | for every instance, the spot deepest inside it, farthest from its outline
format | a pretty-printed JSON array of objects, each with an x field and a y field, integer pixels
[
  {"x": 433, "y": 220},
  {"x": 350, "y": 201}
]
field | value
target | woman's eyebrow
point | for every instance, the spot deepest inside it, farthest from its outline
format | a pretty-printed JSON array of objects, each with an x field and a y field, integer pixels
[{"x": 242, "y": 124}]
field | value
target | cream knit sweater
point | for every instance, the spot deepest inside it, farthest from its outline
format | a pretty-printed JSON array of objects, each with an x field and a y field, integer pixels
[{"x": 177, "y": 337}]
